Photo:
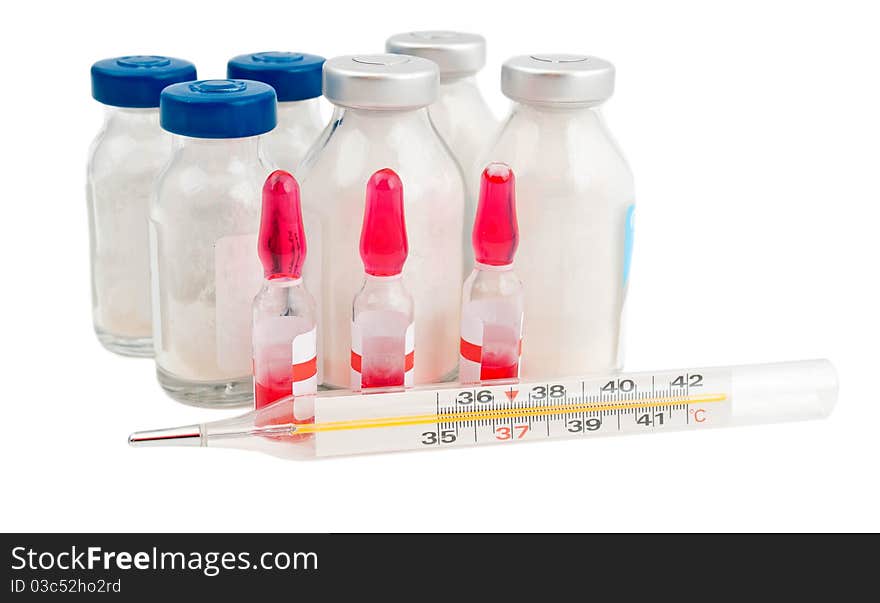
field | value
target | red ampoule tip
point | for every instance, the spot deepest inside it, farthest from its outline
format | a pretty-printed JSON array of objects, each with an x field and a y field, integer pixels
[
  {"x": 282, "y": 243},
  {"x": 496, "y": 234},
  {"x": 383, "y": 236}
]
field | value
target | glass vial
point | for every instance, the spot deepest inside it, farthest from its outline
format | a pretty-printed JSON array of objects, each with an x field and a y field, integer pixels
[
  {"x": 461, "y": 114},
  {"x": 125, "y": 158},
  {"x": 296, "y": 78},
  {"x": 203, "y": 232},
  {"x": 381, "y": 121},
  {"x": 575, "y": 200}
]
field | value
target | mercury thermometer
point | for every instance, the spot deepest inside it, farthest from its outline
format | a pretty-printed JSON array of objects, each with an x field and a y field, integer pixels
[{"x": 432, "y": 417}]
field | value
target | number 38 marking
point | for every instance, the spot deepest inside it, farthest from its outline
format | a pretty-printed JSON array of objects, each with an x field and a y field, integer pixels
[{"x": 540, "y": 392}]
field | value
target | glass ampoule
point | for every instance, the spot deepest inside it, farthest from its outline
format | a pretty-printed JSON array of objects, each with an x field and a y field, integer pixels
[
  {"x": 284, "y": 315},
  {"x": 492, "y": 297},
  {"x": 382, "y": 327}
]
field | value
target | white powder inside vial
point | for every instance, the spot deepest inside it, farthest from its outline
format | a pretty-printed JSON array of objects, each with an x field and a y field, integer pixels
[
  {"x": 204, "y": 229},
  {"x": 126, "y": 159}
]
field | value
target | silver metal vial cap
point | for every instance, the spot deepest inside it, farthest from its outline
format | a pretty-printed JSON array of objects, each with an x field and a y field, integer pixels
[
  {"x": 381, "y": 81},
  {"x": 557, "y": 79},
  {"x": 456, "y": 53}
]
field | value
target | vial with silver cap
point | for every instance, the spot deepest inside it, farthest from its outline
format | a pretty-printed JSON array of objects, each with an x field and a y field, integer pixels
[
  {"x": 381, "y": 121},
  {"x": 204, "y": 220},
  {"x": 575, "y": 194},
  {"x": 127, "y": 155},
  {"x": 296, "y": 78},
  {"x": 460, "y": 114}
]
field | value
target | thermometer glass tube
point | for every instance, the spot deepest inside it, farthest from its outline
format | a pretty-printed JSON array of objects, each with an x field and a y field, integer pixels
[
  {"x": 382, "y": 329},
  {"x": 284, "y": 316},
  {"x": 492, "y": 296},
  {"x": 456, "y": 415}
]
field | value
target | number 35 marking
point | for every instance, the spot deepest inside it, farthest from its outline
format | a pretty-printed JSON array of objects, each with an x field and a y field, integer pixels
[{"x": 447, "y": 436}]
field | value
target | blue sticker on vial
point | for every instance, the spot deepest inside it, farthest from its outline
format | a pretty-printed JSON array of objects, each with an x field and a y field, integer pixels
[{"x": 629, "y": 229}]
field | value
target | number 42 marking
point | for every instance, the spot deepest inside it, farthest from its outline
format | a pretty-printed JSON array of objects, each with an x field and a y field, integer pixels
[{"x": 506, "y": 433}]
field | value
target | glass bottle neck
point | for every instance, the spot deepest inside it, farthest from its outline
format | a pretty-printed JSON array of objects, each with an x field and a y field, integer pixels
[
  {"x": 134, "y": 119},
  {"x": 296, "y": 112},
  {"x": 222, "y": 147},
  {"x": 559, "y": 111},
  {"x": 463, "y": 88},
  {"x": 461, "y": 81},
  {"x": 282, "y": 282},
  {"x": 372, "y": 282},
  {"x": 381, "y": 119},
  {"x": 493, "y": 268},
  {"x": 555, "y": 119}
]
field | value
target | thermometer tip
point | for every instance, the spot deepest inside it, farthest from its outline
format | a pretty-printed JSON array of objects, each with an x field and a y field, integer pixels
[{"x": 190, "y": 435}]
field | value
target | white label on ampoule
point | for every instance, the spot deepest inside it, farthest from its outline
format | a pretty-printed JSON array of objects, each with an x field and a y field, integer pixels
[
  {"x": 304, "y": 369},
  {"x": 374, "y": 347},
  {"x": 409, "y": 359},
  {"x": 470, "y": 348},
  {"x": 505, "y": 413},
  {"x": 489, "y": 350},
  {"x": 304, "y": 363}
]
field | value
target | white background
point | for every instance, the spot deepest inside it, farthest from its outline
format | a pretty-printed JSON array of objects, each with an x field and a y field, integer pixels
[{"x": 752, "y": 129}]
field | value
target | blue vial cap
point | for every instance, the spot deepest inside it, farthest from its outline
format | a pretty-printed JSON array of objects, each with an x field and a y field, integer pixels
[
  {"x": 137, "y": 81},
  {"x": 295, "y": 76},
  {"x": 218, "y": 109}
]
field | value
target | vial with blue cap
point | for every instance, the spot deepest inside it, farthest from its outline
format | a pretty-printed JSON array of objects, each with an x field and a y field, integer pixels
[
  {"x": 204, "y": 221},
  {"x": 296, "y": 78},
  {"x": 125, "y": 158}
]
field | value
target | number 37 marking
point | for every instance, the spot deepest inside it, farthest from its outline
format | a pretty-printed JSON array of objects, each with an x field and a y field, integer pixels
[{"x": 506, "y": 433}]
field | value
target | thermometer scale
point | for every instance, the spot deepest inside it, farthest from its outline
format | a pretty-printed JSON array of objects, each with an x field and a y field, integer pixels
[{"x": 452, "y": 415}]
